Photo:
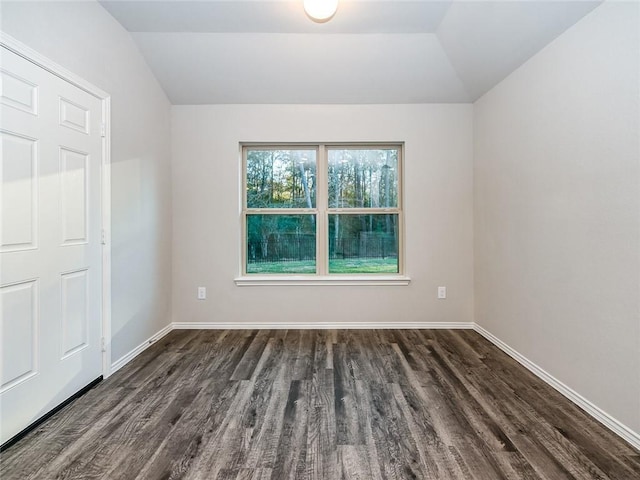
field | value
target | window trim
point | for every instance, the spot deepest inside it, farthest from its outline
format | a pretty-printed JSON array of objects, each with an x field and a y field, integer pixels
[
  {"x": 285, "y": 279},
  {"x": 322, "y": 212}
]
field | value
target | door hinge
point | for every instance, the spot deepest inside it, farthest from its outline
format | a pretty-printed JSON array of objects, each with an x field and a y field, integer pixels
[
  {"x": 103, "y": 344},
  {"x": 103, "y": 130},
  {"x": 104, "y": 237}
]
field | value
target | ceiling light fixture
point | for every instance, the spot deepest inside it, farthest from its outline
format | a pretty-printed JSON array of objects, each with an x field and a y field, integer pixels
[{"x": 320, "y": 10}]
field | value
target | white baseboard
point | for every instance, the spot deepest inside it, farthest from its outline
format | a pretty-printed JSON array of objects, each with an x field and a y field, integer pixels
[
  {"x": 607, "y": 420},
  {"x": 122, "y": 361},
  {"x": 319, "y": 325}
]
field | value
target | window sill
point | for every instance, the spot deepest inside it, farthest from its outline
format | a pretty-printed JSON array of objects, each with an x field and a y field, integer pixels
[{"x": 291, "y": 280}]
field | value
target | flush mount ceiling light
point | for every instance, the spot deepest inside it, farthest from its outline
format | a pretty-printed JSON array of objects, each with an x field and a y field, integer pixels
[{"x": 320, "y": 10}]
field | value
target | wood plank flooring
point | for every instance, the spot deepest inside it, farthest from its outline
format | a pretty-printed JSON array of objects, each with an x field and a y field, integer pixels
[{"x": 321, "y": 404}]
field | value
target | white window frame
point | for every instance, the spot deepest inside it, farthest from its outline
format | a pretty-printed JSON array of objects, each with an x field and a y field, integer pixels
[{"x": 322, "y": 212}]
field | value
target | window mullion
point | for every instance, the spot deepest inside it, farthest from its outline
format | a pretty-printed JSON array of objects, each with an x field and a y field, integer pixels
[
  {"x": 363, "y": 211},
  {"x": 281, "y": 211},
  {"x": 322, "y": 194}
]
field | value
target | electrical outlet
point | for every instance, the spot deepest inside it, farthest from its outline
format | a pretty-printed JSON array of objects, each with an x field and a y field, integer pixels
[
  {"x": 442, "y": 292},
  {"x": 202, "y": 293}
]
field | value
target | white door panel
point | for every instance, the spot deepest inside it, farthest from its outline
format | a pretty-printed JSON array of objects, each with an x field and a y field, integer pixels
[{"x": 50, "y": 248}]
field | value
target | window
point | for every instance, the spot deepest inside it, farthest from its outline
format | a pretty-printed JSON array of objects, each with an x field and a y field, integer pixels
[{"x": 322, "y": 210}]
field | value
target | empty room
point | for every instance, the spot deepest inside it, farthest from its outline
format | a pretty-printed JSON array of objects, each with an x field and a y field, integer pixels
[{"x": 320, "y": 239}]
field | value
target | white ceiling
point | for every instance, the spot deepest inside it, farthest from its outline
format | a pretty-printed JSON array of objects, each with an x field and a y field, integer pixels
[{"x": 372, "y": 51}]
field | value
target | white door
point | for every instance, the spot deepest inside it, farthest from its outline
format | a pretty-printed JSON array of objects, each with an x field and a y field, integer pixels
[{"x": 50, "y": 241}]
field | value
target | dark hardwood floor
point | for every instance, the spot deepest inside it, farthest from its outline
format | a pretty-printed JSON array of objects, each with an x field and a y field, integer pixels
[{"x": 309, "y": 404}]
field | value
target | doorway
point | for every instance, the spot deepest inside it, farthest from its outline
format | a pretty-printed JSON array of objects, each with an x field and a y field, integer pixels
[{"x": 54, "y": 237}]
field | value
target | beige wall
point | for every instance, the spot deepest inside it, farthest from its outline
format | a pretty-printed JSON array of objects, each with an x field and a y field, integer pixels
[
  {"x": 206, "y": 204},
  {"x": 557, "y": 189},
  {"x": 85, "y": 39}
]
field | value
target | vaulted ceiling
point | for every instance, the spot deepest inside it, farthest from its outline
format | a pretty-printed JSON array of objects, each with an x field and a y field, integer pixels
[{"x": 372, "y": 51}]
